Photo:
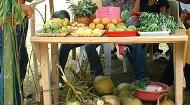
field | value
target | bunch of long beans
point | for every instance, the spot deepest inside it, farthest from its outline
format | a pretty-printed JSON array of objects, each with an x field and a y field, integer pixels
[{"x": 10, "y": 14}]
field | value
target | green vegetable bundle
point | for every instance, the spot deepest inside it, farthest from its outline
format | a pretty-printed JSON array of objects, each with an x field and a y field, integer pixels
[
  {"x": 150, "y": 22},
  {"x": 10, "y": 13}
]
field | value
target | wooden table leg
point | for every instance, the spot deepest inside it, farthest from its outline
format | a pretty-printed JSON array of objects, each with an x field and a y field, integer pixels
[
  {"x": 179, "y": 49},
  {"x": 45, "y": 72},
  {"x": 55, "y": 73}
]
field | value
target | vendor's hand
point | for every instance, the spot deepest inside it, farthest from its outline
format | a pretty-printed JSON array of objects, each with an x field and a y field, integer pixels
[
  {"x": 27, "y": 10},
  {"x": 163, "y": 10}
]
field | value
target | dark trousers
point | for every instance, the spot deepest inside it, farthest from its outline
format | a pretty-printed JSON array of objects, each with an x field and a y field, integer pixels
[
  {"x": 168, "y": 74},
  {"x": 95, "y": 64},
  {"x": 137, "y": 59}
]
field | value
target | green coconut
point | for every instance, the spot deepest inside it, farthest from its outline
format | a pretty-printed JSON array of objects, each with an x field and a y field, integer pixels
[
  {"x": 73, "y": 103},
  {"x": 132, "y": 101},
  {"x": 167, "y": 102},
  {"x": 123, "y": 87},
  {"x": 123, "y": 95},
  {"x": 111, "y": 99},
  {"x": 103, "y": 85},
  {"x": 115, "y": 91}
]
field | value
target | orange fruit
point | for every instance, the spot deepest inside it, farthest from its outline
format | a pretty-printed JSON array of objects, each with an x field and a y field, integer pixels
[
  {"x": 92, "y": 25},
  {"x": 100, "y": 26},
  {"x": 114, "y": 21},
  {"x": 120, "y": 20},
  {"x": 105, "y": 21},
  {"x": 96, "y": 21}
]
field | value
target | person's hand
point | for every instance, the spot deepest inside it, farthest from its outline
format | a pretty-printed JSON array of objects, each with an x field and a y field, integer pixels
[
  {"x": 27, "y": 10},
  {"x": 163, "y": 10}
]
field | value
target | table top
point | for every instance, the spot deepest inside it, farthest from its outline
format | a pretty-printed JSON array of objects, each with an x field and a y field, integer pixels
[{"x": 97, "y": 40}]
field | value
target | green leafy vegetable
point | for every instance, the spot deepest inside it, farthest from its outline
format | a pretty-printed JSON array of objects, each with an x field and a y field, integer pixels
[{"x": 150, "y": 22}]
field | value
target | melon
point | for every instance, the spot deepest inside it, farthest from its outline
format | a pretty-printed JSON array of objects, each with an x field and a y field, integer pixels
[
  {"x": 123, "y": 95},
  {"x": 111, "y": 100},
  {"x": 61, "y": 14},
  {"x": 132, "y": 101},
  {"x": 123, "y": 87},
  {"x": 103, "y": 85},
  {"x": 73, "y": 103},
  {"x": 167, "y": 102}
]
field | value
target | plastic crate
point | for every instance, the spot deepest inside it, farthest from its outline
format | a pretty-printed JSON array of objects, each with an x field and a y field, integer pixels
[{"x": 121, "y": 34}]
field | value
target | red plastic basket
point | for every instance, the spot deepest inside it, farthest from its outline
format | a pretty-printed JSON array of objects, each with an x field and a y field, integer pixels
[
  {"x": 121, "y": 34},
  {"x": 152, "y": 95}
]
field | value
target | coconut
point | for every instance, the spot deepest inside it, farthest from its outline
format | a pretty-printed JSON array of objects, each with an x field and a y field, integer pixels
[
  {"x": 123, "y": 87},
  {"x": 167, "y": 102},
  {"x": 73, "y": 103},
  {"x": 103, "y": 85},
  {"x": 132, "y": 101},
  {"x": 115, "y": 91},
  {"x": 111, "y": 100},
  {"x": 123, "y": 95}
]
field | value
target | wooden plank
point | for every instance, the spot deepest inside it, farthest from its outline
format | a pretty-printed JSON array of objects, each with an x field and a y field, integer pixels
[
  {"x": 55, "y": 73},
  {"x": 178, "y": 72},
  {"x": 45, "y": 72},
  {"x": 35, "y": 49},
  {"x": 99, "y": 40}
]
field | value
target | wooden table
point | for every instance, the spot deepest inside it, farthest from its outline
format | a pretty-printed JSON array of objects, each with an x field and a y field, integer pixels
[{"x": 41, "y": 50}]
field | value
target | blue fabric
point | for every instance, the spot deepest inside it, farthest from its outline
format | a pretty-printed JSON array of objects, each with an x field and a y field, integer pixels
[{"x": 137, "y": 59}]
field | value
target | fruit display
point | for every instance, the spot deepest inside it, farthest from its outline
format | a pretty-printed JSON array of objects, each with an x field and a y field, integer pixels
[
  {"x": 56, "y": 25},
  {"x": 87, "y": 32},
  {"x": 105, "y": 23},
  {"x": 122, "y": 28},
  {"x": 75, "y": 25}
]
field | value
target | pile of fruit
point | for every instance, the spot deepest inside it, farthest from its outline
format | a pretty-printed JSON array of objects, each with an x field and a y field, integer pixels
[
  {"x": 56, "y": 25},
  {"x": 87, "y": 32},
  {"x": 105, "y": 23}
]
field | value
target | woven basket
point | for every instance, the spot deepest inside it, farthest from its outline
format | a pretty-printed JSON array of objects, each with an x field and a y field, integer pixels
[
  {"x": 83, "y": 20},
  {"x": 188, "y": 48},
  {"x": 52, "y": 34}
]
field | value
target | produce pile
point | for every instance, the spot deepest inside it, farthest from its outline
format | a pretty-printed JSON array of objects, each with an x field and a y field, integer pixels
[
  {"x": 83, "y": 90},
  {"x": 150, "y": 22},
  {"x": 56, "y": 25}
]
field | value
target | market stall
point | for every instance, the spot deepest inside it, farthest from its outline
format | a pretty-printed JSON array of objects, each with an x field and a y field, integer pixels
[{"x": 106, "y": 28}]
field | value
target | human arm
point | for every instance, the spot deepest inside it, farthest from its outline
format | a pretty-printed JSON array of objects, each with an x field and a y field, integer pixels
[
  {"x": 136, "y": 7},
  {"x": 27, "y": 9}
]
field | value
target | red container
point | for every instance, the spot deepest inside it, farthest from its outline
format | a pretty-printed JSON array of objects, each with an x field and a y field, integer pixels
[
  {"x": 121, "y": 33},
  {"x": 146, "y": 95}
]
